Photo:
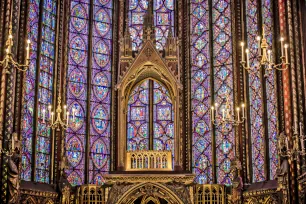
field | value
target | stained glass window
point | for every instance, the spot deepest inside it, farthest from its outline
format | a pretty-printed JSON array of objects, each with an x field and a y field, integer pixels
[
  {"x": 88, "y": 94},
  {"x": 205, "y": 54},
  {"x": 163, "y": 20},
  {"x": 267, "y": 16},
  {"x": 42, "y": 56},
  {"x": 138, "y": 118},
  {"x": 150, "y": 118},
  {"x": 256, "y": 93}
]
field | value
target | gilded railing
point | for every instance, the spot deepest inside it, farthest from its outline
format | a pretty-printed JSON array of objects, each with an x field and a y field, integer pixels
[
  {"x": 150, "y": 160},
  {"x": 209, "y": 194},
  {"x": 91, "y": 194}
]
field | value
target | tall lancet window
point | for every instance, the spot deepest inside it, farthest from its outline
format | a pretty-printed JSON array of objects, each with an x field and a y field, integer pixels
[
  {"x": 212, "y": 79},
  {"x": 262, "y": 94},
  {"x": 36, "y": 136},
  {"x": 163, "y": 20},
  {"x": 150, "y": 118},
  {"x": 87, "y": 144}
]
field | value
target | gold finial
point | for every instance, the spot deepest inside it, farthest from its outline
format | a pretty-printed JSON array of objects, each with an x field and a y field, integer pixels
[{"x": 263, "y": 32}]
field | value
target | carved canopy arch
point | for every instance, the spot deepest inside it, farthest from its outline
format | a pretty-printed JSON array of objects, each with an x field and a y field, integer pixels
[{"x": 150, "y": 191}]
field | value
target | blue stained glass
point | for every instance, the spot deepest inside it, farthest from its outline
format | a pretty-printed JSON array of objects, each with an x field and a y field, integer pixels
[{"x": 44, "y": 94}]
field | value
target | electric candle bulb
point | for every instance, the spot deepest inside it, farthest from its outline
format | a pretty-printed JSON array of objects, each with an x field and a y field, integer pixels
[
  {"x": 10, "y": 36},
  {"x": 248, "y": 61},
  {"x": 286, "y": 53},
  {"x": 243, "y": 110},
  {"x": 44, "y": 114},
  {"x": 238, "y": 116},
  {"x": 28, "y": 41},
  {"x": 282, "y": 46},
  {"x": 242, "y": 53},
  {"x": 7, "y": 50}
]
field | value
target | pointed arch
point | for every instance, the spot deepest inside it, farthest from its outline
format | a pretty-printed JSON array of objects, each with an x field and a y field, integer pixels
[{"x": 147, "y": 65}]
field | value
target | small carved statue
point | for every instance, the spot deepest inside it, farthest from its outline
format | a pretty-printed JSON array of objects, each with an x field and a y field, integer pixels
[
  {"x": 282, "y": 170},
  {"x": 237, "y": 181},
  {"x": 14, "y": 162}
]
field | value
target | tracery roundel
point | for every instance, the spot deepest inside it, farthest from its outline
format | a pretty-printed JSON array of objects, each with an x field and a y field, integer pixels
[
  {"x": 74, "y": 151},
  {"x": 76, "y": 82},
  {"x": 101, "y": 86},
  {"x": 102, "y": 22},
  {"x": 99, "y": 154},
  {"x": 78, "y": 13},
  {"x": 77, "y": 52},
  {"x": 101, "y": 53},
  {"x": 77, "y": 121},
  {"x": 100, "y": 119}
]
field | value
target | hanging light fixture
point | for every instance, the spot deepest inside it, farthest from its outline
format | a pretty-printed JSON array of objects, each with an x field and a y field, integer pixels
[
  {"x": 228, "y": 116},
  {"x": 264, "y": 57},
  {"x": 8, "y": 58}
]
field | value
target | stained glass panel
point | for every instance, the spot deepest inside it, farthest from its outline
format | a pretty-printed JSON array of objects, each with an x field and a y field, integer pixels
[
  {"x": 223, "y": 84},
  {"x": 29, "y": 98},
  {"x": 43, "y": 97},
  {"x": 163, "y": 123},
  {"x": 77, "y": 91},
  {"x": 100, "y": 99},
  {"x": 267, "y": 16},
  {"x": 138, "y": 118},
  {"x": 45, "y": 89},
  {"x": 163, "y": 20},
  {"x": 255, "y": 95},
  {"x": 200, "y": 89}
]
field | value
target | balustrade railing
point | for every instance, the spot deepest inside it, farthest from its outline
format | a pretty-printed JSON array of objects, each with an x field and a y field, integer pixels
[{"x": 152, "y": 160}]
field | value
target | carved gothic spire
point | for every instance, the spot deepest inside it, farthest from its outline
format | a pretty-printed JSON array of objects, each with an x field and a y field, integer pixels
[
  {"x": 148, "y": 22},
  {"x": 171, "y": 44},
  {"x": 127, "y": 41}
]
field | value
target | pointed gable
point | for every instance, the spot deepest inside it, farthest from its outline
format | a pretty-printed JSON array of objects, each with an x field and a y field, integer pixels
[{"x": 148, "y": 55}]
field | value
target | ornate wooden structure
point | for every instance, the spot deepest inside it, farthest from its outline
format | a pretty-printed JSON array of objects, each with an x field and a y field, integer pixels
[{"x": 170, "y": 178}]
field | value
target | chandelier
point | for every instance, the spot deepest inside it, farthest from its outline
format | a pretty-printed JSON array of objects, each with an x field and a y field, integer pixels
[
  {"x": 8, "y": 58},
  {"x": 264, "y": 57},
  {"x": 298, "y": 137},
  {"x": 228, "y": 116},
  {"x": 55, "y": 119}
]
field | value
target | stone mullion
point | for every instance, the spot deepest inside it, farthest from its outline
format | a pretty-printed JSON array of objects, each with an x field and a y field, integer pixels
[
  {"x": 293, "y": 91},
  {"x": 184, "y": 61},
  {"x": 286, "y": 80},
  {"x": 9, "y": 92},
  {"x": 21, "y": 59},
  {"x": 300, "y": 102},
  {"x": 62, "y": 63},
  {"x": 118, "y": 24}
]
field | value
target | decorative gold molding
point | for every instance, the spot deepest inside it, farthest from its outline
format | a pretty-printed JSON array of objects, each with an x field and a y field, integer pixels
[{"x": 138, "y": 178}]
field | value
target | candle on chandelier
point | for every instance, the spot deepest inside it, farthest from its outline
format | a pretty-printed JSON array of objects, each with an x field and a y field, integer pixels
[
  {"x": 302, "y": 143},
  {"x": 223, "y": 114},
  {"x": 67, "y": 117},
  {"x": 13, "y": 143},
  {"x": 238, "y": 116},
  {"x": 247, "y": 58},
  {"x": 65, "y": 111},
  {"x": 212, "y": 113},
  {"x": 259, "y": 47},
  {"x": 242, "y": 51},
  {"x": 73, "y": 114},
  {"x": 301, "y": 127},
  {"x": 52, "y": 117},
  {"x": 282, "y": 45},
  {"x": 243, "y": 110},
  {"x": 44, "y": 115},
  {"x": 28, "y": 50},
  {"x": 286, "y": 53},
  {"x": 9, "y": 47}
]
